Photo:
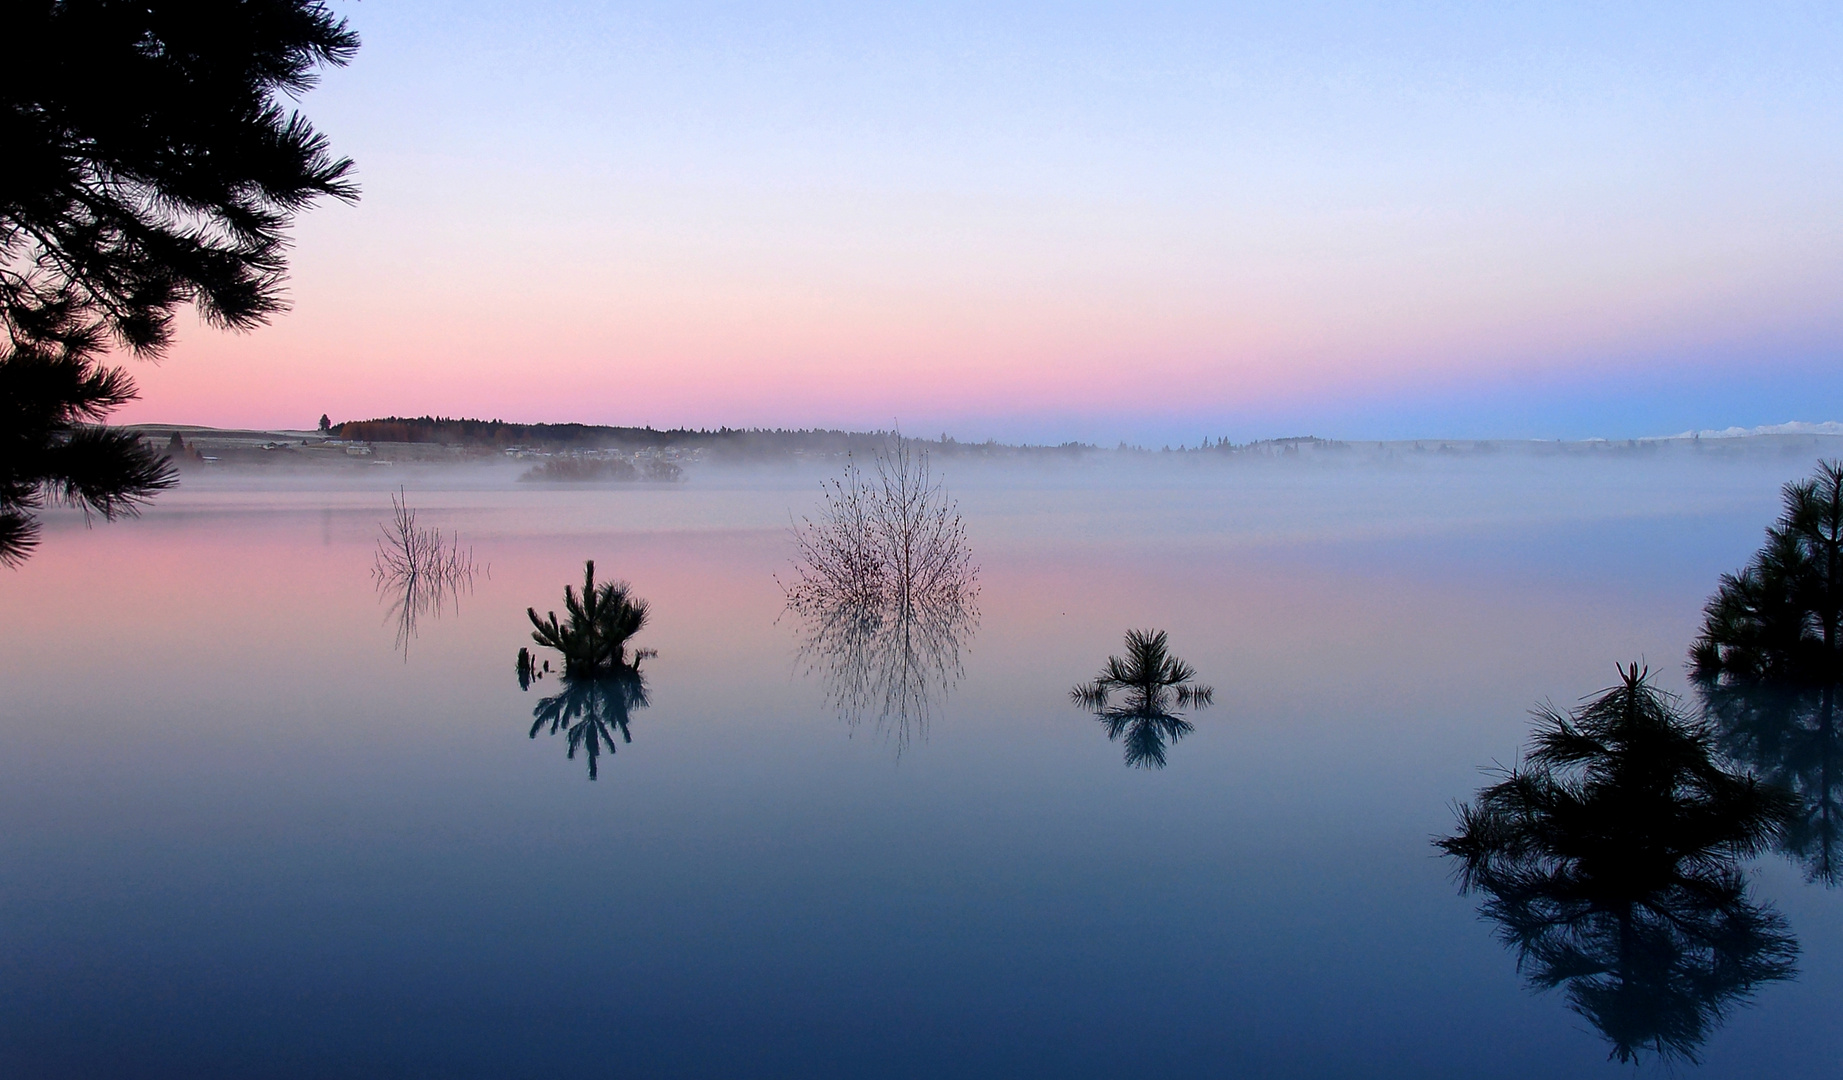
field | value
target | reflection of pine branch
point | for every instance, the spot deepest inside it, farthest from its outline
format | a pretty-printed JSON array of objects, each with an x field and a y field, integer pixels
[
  {"x": 420, "y": 569},
  {"x": 590, "y": 712},
  {"x": 1610, "y": 861}
]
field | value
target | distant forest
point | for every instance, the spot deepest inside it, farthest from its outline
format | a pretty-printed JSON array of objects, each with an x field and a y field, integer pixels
[{"x": 722, "y": 442}]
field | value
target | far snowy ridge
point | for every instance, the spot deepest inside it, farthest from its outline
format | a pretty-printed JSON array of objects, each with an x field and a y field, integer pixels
[{"x": 1794, "y": 427}]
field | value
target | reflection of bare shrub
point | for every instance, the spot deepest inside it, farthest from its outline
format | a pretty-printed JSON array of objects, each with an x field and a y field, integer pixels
[
  {"x": 897, "y": 539},
  {"x": 885, "y": 590},
  {"x": 579, "y": 470},
  {"x": 884, "y": 662},
  {"x": 422, "y": 570}
]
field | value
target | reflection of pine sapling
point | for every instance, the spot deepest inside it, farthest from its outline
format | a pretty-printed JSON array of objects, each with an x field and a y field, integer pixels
[
  {"x": 593, "y": 640},
  {"x": 591, "y": 712},
  {"x": 895, "y": 539}
]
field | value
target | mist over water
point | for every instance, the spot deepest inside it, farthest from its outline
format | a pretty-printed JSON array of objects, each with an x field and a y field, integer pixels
[{"x": 249, "y": 835}]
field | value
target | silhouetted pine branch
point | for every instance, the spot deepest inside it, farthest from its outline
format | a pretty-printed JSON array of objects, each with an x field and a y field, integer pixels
[
  {"x": 1609, "y": 860},
  {"x": 593, "y": 639}
]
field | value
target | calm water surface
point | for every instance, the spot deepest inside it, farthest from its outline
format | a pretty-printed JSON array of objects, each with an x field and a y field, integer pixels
[{"x": 245, "y": 835}]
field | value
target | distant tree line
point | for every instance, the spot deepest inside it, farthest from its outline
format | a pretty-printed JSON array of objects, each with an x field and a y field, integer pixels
[{"x": 722, "y": 441}]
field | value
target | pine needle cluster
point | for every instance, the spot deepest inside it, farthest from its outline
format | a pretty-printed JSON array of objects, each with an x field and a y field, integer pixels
[
  {"x": 593, "y": 638},
  {"x": 1153, "y": 682},
  {"x": 1610, "y": 860}
]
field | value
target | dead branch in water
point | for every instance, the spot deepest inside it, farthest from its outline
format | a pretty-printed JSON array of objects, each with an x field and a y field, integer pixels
[{"x": 422, "y": 570}]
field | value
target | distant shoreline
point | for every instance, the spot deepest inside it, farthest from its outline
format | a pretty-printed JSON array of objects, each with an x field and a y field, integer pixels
[{"x": 342, "y": 446}]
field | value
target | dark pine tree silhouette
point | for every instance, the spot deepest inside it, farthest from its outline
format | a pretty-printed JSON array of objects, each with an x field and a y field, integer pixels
[
  {"x": 150, "y": 163},
  {"x": 1610, "y": 861},
  {"x": 52, "y": 448},
  {"x": 593, "y": 639},
  {"x": 1153, "y": 681},
  {"x": 1769, "y": 664},
  {"x": 1778, "y": 619}
]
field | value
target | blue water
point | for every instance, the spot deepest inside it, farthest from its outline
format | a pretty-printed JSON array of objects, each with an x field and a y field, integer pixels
[{"x": 244, "y": 835}]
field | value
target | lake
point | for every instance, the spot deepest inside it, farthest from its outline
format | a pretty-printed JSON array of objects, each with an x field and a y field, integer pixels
[{"x": 250, "y": 832}]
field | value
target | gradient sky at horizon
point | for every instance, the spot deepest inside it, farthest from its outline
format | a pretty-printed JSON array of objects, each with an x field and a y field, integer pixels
[{"x": 1152, "y": 222}]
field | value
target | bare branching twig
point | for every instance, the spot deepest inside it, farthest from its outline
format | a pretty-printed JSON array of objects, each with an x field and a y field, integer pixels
[{"x": 420, "y": 569}]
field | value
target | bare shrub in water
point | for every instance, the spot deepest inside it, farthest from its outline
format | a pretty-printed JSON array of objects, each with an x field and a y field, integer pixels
[
  {"x": 895, "y": 538},
  {"x": 885, "y": 589},
  {"x": 422, "y": 570}
]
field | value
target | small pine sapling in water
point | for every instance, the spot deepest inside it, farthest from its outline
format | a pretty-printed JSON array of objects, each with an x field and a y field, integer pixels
[
  {"x": 593, "y": 640},
  {"x": 1154, "y": 682},
  {"x": 1149, "y": 674}
]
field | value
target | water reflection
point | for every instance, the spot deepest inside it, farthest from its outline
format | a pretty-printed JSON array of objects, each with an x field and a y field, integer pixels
[
  {"x": 1769, "y": 662},
  {"x": 589, "y": 712},
  {"x": 1153, "y": 682},
  {"x": 1610, "y": 861},
  {"x": 421, "y": 571},
  {"x": 1788, "y": 735},
  {"x": 886, "y": 663}
]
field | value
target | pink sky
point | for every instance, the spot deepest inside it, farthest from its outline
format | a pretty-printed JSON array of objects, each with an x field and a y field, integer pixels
[{"x": 1123, "y": 230}]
